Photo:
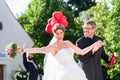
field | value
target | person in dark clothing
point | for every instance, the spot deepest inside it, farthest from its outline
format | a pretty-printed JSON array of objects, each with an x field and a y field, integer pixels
[
  {"x": 31, "y": 67},
  {"x": 91, "y": 62},
  {"x": 1, "y": 26}
]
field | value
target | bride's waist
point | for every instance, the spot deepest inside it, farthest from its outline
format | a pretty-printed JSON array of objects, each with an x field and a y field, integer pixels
[{"x": 69, "y": 66}]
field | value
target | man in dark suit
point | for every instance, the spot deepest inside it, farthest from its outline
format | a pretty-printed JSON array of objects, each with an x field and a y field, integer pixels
[
  {"x": 1, "y": 26},
  {"x": 91, "y": 62},
  {"x": 31, "y": 67}
]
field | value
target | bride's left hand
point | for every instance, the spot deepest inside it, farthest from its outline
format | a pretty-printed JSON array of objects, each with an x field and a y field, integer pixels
[
  {"x": 19, "y": 50},
  {"x": 97, "y": 45}
]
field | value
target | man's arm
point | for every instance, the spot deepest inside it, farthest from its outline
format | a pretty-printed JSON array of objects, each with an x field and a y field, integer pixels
[
  {"x": 105, "y": 57},
  {"x": 25, "y": 62}
]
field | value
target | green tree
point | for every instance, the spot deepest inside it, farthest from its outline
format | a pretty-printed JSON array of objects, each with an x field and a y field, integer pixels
[{"x": 79, "y": 5}]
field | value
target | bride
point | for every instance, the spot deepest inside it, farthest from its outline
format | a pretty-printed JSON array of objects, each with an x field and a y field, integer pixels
[{"x": 59, "y": 55}]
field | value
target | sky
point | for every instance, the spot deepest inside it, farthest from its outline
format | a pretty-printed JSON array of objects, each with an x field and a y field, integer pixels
[{"x": 18, "y": 6}]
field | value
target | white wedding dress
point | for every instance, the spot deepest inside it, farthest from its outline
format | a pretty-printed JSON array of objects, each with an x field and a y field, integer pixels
[{"x": 64, "y": 67}]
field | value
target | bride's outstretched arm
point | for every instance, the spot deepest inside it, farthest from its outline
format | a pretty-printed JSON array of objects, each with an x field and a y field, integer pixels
[
  {"x": 87, "y": 49},
  {"x": 43, "y": 50},
  {"x": 37, "y": 50}
]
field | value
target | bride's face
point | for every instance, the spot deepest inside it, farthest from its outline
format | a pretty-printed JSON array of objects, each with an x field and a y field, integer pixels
[{"x": 59, "y": 34}]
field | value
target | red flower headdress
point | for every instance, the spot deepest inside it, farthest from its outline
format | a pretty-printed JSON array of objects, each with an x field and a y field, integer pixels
[{"x": 57, "y": 18}]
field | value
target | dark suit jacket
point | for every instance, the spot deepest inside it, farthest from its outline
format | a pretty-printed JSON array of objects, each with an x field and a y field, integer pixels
[
  {"x": 33, "y": 72},
  {"x": 92, "y": 63}
]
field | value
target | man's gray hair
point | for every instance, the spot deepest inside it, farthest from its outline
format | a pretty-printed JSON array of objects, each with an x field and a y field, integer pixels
[{"x": 92, "y": 23}]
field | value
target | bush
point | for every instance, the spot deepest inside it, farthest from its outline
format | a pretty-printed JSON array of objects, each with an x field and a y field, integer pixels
[{"x": 19, "y": 74}]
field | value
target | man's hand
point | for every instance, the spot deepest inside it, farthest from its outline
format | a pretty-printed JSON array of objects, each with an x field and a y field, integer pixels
[{"x": 97, "y": 45}]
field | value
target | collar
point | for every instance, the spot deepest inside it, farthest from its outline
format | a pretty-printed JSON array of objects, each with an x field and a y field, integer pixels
[{"x": 89, "y": 38}]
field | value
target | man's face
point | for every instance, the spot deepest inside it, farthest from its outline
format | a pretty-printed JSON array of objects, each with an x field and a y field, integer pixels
[
  {"x": 88, "y": 30},
  {"x": 30, "y": 56}
]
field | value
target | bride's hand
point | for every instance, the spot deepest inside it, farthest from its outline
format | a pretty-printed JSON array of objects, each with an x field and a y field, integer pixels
[
  {"x": 20, "y": 50},
  {"x": 97, "y": 45}
]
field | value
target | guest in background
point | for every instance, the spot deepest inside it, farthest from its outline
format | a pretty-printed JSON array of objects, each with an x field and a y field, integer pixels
[
  {"x": 1, "y": 26},
  {"x": 32, "y": 67}
]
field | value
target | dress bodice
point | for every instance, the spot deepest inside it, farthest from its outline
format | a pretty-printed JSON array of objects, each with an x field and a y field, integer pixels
[
  {"x": 65, "y": 57},
  {"x": 62, "y": 66}
]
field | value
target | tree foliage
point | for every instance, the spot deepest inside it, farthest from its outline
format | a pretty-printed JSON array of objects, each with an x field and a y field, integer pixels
[{"x": 79, "y": 5}]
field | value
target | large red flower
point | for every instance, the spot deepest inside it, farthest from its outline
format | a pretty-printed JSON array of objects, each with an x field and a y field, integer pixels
[
  {"x": 57, "y": 18},
  {"x": 48, "y": 28},
  {"x": 57, "y": 15}
]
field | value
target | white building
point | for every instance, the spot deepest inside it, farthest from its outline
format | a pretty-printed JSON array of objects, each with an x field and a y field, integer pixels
[{"x": 12, "y": 31}]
